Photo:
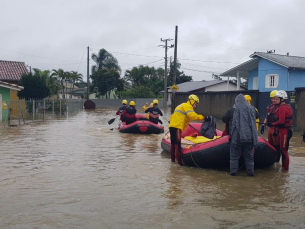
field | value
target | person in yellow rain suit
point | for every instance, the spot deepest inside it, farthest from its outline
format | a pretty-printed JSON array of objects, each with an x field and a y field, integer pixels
[
  {"x": 249, "y": 99},
  {"x": 151, "y": 105},
  {"x": 179, "y": 120},
  {"x": 145, "y": 107}
]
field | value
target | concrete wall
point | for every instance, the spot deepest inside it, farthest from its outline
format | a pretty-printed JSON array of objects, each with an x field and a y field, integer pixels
[
  {"x": 118, "y": 102},
  {"x": 215, "y": 103}
]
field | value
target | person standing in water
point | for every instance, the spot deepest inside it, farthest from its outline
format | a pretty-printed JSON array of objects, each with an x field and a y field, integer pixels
[
  {"x": 179, "y": 120},
  {"x": 243, "y": 135}
]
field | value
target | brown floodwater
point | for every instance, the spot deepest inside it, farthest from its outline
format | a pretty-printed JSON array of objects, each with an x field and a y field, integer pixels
[{"x": 77, "y": 173}]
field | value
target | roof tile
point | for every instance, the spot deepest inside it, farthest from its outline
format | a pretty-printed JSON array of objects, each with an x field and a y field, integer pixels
[{"x": 12, "y": 70}]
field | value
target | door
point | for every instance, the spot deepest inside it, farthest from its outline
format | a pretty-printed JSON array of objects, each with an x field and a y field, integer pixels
[{"x": 1, "y": 108}]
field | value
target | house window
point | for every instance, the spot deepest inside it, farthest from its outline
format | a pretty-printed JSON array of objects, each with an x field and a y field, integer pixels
[
  {"x": 272, "y": 81},
  {"x": 255, "y": 83}
]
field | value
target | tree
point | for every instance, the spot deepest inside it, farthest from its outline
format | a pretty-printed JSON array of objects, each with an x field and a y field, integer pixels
[
  {"x": 61, "y": 75},
  {"x": 137, "y": 92},
  {"x": 137, "y": 75},
  {"x": 35, "y": 87},
  {"x": 180, "y": 76},
  {"x": 216, "y": 77},
  {"x": 105, "y": 80},
  {"x": 147, "y": 77},
  {"x": 243, "y": 82},
  {"x": 74, "y": 77},
  {"x": 104, "y": 60},
  {"x": 50, "y": 80}
]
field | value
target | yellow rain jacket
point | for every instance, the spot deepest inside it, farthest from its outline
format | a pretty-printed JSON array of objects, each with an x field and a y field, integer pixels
[
  {"x": 257, "y": 121},
  {"x": 182, "y": 116},
  {"x": 145, "y": 107}
]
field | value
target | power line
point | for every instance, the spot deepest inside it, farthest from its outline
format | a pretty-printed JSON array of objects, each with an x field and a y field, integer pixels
[
  {"x": 199, "y": 70},
  {"x": 33, "y": 55}
]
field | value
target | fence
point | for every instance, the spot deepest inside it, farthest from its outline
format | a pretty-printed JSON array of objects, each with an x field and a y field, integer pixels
[{"x": 26, "y": 111}]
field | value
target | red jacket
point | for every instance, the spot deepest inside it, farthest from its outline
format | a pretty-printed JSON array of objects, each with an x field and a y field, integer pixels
[{"x": 283, "y": 116}]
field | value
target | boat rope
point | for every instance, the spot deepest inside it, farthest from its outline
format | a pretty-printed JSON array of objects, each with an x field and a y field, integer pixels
[{"x": 193, "y": 158}]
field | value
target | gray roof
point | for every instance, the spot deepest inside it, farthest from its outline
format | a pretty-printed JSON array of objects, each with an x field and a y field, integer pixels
[
  {"x": 197, "y": 85},
  {"x": 283, "y": 60},
  {"x": 243, "y": 69}
]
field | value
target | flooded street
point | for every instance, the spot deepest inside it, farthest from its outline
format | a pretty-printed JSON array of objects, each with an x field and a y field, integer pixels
[{"x": 77, "y": 173}]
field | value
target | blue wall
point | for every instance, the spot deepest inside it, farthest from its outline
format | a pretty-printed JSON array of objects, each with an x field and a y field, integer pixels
[
  {"x": 267, "y": 67},
  {"x": 296, "y": 79},
  {"x": 252, "y": 74}
]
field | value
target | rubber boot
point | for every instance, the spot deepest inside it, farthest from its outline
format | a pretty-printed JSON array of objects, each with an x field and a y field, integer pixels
[
  {"x": 285, "y": 161},
  {"x": 178, "y": 155},
  {"x": 278, "y": 151},
  {"x": 172, "y": 151}
]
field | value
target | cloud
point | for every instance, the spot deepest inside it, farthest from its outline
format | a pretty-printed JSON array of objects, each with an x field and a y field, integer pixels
[{"x": 213, "y": 36}]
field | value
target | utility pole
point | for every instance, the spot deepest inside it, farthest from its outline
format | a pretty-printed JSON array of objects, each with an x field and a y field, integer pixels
[
  {"x": 173, "y": 103},
  {"x": 88, "y": 74},
  {"x": 175, "y": 54},
  {"x": 165, "y": 73}
]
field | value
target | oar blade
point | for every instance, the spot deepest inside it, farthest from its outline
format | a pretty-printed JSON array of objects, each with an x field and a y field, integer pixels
[{"x": 111, "y": 121}]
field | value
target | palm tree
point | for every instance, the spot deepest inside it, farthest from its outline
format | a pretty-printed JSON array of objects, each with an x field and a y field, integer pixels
[
  {"x": 104, "y": 60},
  {"x": 75, "y": 76},
  {"x": 51, "y": 81},
  {"x": 61, "y": 75}
]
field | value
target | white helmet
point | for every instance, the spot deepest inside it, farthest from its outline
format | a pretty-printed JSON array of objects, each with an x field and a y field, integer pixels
[{"x": 281, "y": 94}]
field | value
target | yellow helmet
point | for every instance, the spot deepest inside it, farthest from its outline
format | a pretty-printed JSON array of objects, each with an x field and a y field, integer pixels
[
  {"x": 273, "y": 93},
  {"x": 194, "y": 97},
  {"x": 124, "y": 102},
  {"x": 151, "y": 105},
  {"x": 248, "y": 98},
  {"x": 132, "y": 103},
  {"x": 155, "y": 101}
]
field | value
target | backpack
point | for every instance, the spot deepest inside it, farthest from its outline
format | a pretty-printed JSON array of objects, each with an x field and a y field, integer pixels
[{"x": 208, "y": 128}]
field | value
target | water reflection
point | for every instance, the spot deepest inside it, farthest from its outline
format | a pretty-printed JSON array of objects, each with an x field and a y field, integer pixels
[{"x": 77, "y": 173}]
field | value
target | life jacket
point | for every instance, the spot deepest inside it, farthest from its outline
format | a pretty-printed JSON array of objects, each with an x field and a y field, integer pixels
[
  {"x": 121, "y": 109},
  {"x": 130, "y": 113},
  {"x": 270, "y": 112},
  {"x": 154, "y": 114},
  {"x": 288, "y": 120}
]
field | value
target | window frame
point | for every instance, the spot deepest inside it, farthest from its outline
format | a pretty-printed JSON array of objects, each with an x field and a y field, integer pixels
[{"x": 271, "y": 81}]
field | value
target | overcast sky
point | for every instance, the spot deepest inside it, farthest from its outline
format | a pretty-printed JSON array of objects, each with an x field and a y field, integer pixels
[{"x": 213, "y": 36}]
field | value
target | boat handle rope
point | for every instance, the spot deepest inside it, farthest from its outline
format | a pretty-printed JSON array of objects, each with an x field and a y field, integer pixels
[{"x": 193, "y": 158}]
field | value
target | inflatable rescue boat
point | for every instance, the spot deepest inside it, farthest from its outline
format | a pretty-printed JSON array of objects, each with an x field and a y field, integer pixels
[
  {"x": 141, "y": 126},
  {"x": 202, "y": 152}
]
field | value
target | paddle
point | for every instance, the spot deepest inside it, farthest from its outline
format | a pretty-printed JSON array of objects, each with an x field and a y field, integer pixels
[
  {"x": 165, "y": 119},
  {"x": 112, "y": 120},
  {"x": 115, "y": 125}
]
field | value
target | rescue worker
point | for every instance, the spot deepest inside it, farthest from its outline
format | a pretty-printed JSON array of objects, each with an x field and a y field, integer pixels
[
  {"x": 129, "y": 115},
  {"x": 122, "y": 108},
  {"x": 283, "y": 117},
  {"x": 154, "y": 112},
  {"x": 179, "y": 120},
  {"x": 273, "y": 140},
  {"x": 249, "y": 99},
  {"x": 243, "y": 135},
  {"x": 151, "y": 105},
  {"x": 145, "y": 106}
]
